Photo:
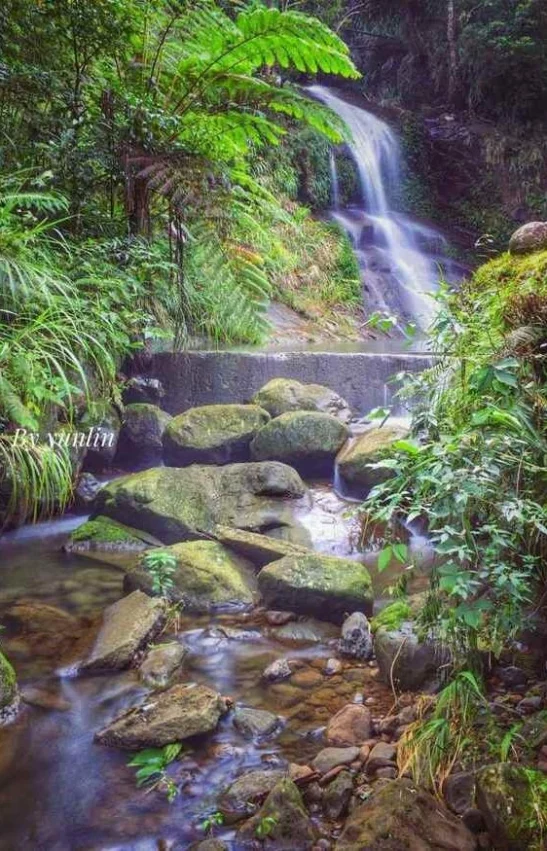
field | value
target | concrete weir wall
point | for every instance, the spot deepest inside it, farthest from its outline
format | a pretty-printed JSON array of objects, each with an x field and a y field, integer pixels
[{"x": 213, "y": 377}]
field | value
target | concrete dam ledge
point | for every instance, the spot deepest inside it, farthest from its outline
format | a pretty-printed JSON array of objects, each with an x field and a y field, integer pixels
[{"x": 213, "y": 377}]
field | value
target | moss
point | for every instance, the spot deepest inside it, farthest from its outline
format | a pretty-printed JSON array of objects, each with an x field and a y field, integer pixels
[
  {"x": 392, "y": 617},
  {"x": 8, "y": 683},
  {"x": 102, "y": 530},
  {"x": 514, "y": 802}
]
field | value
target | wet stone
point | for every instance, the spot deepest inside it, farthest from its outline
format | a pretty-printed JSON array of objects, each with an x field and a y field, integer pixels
[
  {"x": 330, "y": 758},
  {"x": 255, "y": 723}
]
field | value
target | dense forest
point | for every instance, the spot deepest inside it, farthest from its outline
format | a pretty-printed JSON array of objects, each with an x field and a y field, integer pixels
[{"x": 315, "y": 613}]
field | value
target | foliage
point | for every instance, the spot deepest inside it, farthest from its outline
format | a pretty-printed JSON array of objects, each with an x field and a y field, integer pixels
[
  {"x": 445, "y": 732},
  {"x": 392, "y": 616},
  {"x": 476, "y": 475},
  {"x": 161, "y": 566},
  {"x": 151, "y": 765},
  {"x": 265, "y": 826},
  {"x": 211, "y": 821}
]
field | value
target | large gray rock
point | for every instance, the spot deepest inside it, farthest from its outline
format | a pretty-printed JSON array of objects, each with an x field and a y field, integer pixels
[
  {"x": 306, "y": 440},
  {"x": 356, "y": 638},
  {"x": 141, "y": 437},
  {"x": 282, "y": 395},
  {"x": 181, "y": 712},
  {"x": 405, "y": 660},
  {"x": 511, "y": 799},
  {"x": 401, "y": 816},
  {"x": 213, "y": 434},
  {"x": 127, "y": 626},
  {"x": 8, "y": 685},
  {"x": 290, "y": 827},
  {"x": 239, "y": 800},
  {"x": 528, "y": 238},
  {"x": 370, "y": 447},
  {"x": 184, "y": 504},
  {"x": 207, "y": 576},
  {"x": 324, "y": 586}
]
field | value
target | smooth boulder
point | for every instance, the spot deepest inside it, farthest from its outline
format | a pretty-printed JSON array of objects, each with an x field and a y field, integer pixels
[
  {"x": 324, "y": 586},
  {"x": 255, "y": 723},
  {"x": 140, "y": 443},
  {"x": 307, "y": 440},
  {"x": 126, "y": 627},
  {"x": 207, "y": 577},
  {"x": 529, "y": 238},
  {"x": 354, "y": 460},
  {"x": 352, "y": 725},
  {"x": 212, "y": 434},
  {"x": 402, "y": 816},
  {"x": 179, "y": 504},
  {"x": 282, "y": 395},
  {"x": 179, "y": 713}
]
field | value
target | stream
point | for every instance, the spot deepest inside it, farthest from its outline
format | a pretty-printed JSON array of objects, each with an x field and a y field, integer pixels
[{"x": 60, "y": 791}]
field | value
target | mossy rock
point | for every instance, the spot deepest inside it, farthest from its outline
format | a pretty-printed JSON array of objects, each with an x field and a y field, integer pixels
[
  {"x": 307, "y": 440},
  {"x": 285, "y": 819},
  {"x": 403, "y": 659},
  {"x": 324, "y": 586},
  {"x": 511, "y": 799},
  {"x": 141, "y": 437},
  {"x": 259, "y": 549},
  {"x": 392, "y": 617},
  {"x": 212, "y": 434},
  {"x": 207, "y": 577},
  {"x": 105, "y": 535},
  {"x": 402, "y": 816},
  {"x": 180, "y": 504},
  {"x": 8, "y": 684},
  {"x": 369, "y": 448},
  {"x": 282, "y": 395}
]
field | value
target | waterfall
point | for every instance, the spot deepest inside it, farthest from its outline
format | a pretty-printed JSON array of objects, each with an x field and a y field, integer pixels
[
  {"x": 334, "y": 181},
  {"x": 399, "y": 271}
]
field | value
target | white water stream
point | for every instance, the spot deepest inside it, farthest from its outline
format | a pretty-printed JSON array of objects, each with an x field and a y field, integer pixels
[{"x": 400, "y": 258}]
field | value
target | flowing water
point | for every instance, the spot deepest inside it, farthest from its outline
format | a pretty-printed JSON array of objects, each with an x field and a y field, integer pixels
[
  {"x": 58, "y": 789},
  {"x": 401, "y": 260}
]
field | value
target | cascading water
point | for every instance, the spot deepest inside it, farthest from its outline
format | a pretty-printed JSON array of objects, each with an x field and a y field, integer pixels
[{"x": 399, "y": 258}]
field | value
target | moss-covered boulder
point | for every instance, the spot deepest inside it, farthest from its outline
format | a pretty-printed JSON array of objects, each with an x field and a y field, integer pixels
[
  {"x": 513, "y": 801},
  {"x": 212, "y": 434},
  {"x": 8, "y": 685},
  {"x": 355, "y": 458},
  {"x": 306, "y": 440},
  {"x": 141, "y": 437},
  {"x": 207, "y": 577},
  {"x": 178, "y": 504},
  {"x": 282, "y": 395},
  {"x": 240, "y": 798},
  {"x": 529, "y": 238},
  {"x": 284, "y": 819},
  {"x": 259, "y": 549},
  {"x": 324, "y": 586},
  {"x": 105, "y": 535},
  {"x": 402, "y": 816}
]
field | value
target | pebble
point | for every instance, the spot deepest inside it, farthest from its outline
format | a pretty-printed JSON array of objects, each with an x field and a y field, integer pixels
[
  {"x": 332, "y": 666},
  {"x": 277, "y": 671}
]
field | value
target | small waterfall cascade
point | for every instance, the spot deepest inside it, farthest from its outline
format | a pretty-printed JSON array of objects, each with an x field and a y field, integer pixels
[{"x": 401, "y": 260}]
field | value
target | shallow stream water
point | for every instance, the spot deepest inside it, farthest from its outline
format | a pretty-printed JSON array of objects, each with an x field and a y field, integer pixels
[{"x": 59, "y": 790}]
